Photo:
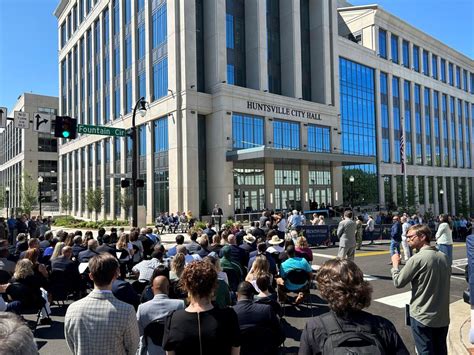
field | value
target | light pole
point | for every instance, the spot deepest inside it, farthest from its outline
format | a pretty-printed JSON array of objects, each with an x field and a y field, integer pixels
[
  {"x": 351, "y": 180},
  {"x": 40, "y": 182},
  {"x": 441, "y": 192},
  {"x": 7, "y": 199},
  {"x": 141, "y": 107}
]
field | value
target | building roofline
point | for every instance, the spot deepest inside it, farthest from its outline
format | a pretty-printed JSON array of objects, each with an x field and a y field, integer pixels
[
  {"x": 380, "y": 11},
  {"x": 60, "y": 8}
]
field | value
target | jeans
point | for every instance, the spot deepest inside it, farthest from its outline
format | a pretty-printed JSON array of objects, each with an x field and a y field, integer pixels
[
  {"x": 394, "y": 245},
  {"x": 447, "y": 250},
  {"x": 370, "y": 235},
  {"x": 428, "y": 340}
]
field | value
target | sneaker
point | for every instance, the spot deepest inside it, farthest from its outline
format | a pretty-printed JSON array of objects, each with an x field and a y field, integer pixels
[{"x": 46, "y": 321}]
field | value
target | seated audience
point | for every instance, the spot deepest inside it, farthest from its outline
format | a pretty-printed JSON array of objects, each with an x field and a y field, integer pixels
[
  {"x": 303, "y": 250},
  {"x": 15, "y": 336},
  {"x": 5, "y": 264},
  {"x": 265, "y": 296},
  {"x": 179, "y": 241},
  {"x": 259, "y": 266},
  {"x": 86, "y": 255},
  {"x": 77, "y": 247},
  {"x": 177, "y": 266},
  {"x": 154, "y": 310},
  {"x": 201, "y": 328},
  {"x": 342, "y": 285},
  {"x": 222, "y": 297}
]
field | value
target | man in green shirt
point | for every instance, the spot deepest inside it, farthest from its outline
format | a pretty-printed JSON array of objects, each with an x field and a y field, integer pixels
[{"x": 429, "y": 274}]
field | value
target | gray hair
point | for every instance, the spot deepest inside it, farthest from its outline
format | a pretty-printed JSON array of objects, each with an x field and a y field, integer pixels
[{"x": 15, "y": 336}]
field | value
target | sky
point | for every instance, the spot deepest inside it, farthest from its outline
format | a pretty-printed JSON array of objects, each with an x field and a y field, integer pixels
[{"x": 28, "y": 38}]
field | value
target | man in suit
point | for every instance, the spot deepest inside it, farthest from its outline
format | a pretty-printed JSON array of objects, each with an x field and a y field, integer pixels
[
  {"x": 85, "y": 255},
  {"x": 100, "y": 323},
  {"x": 124, "y": 291},
  {"x": 105, "y": 247},
  {"x": 269, "y": 335},
  {"x": 156, "y": 309},
  {"x": 346, "y": 231},
  {"x": 77, "y": 247},
  {"x": 64, "y": 262}
]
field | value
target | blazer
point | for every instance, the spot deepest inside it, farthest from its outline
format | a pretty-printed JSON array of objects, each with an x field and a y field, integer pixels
[
  {"x": 124, "y": 291},
  {"x": 346, "y": 231},
  {"x": 101, "y": 324}
]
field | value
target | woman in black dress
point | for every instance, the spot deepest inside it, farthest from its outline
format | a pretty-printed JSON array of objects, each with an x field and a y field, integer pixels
[{"x": 200, "y": 328}]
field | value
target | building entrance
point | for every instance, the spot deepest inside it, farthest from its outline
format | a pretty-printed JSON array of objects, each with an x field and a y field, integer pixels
[{"x": 249, "y": 199}]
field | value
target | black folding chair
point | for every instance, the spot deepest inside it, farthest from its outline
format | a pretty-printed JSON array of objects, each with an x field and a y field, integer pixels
[
  {"x": 154, "y": 331},
  {"x": 299, "y": 277},
  {"x": 4, "y": 277}
]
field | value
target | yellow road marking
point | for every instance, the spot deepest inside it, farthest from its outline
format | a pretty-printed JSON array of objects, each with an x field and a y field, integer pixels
[{"x": 370, "y": 253}]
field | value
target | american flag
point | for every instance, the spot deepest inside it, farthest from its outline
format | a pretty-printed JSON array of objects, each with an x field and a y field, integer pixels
[{"x": 402, "y": 151}]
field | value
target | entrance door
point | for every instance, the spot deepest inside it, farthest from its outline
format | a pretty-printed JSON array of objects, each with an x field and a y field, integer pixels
[
  {"x": 249, "y": 200},
  {"x": 287, "y": 198}
]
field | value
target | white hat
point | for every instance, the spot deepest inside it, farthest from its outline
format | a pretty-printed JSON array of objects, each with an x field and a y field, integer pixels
[
  {"x": 249, "y": 238},
  {"x": 275, "y": 240}
]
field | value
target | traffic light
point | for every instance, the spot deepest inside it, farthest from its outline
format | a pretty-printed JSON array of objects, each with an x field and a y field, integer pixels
[
  {"x": 124, "y": 183},
  {"x": 139, "y": 183},
  {"x": 65, "y": 127}
]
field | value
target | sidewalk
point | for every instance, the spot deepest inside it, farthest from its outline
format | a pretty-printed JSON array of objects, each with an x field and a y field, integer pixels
[{"x": 458, "y": 334}]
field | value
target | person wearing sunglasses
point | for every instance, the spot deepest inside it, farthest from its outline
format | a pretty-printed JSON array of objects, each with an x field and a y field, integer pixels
[{"x": 429, "y": 273}]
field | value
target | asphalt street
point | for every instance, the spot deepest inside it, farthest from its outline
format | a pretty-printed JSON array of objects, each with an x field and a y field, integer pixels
[{"x": 387, "y": 301}]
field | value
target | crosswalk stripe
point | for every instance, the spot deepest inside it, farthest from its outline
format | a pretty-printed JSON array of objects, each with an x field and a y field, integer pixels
[
  {"x": 324, "y": 256},
  {"x": 399, "y": 300}
]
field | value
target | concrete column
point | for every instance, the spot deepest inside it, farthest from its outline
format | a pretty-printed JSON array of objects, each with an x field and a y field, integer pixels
[
  {"x": 101, "y": 93},
  {"x": 393, "y": 182},
  {"x": 214, "y": 45},
  {"x": 304, "y": 183},
  {"x": 220, "y": 181},
  {"x": 102, "y": 172},
  {"x": 190, "y": 160},
  {"x": 452, "y": 203},
  {"x": 337, "y": 189},
  {"x": 150, "y": 167},
  {"x": 389, "y": 45},
  {"x": 470, "y": 123},
  {"x": 123, "y": 164},
  {"x": 148, "y": 52},
  {"x": 426, "y": 192},
  {"x": 456, "y": 128},
  {"x": 268, "y": 131},
  {"x": 464, "y": 126},
  {"x": 410, "y": 54},
  {"x": 436, "y": 202},
  {"x": 188, "y": 47},
  {"x": 304, "y": 136},
  {"x": 73, "y": 179},
  {"x": 417, "y": 192},
  {"x": 134, "y": 66},
  {"x": 381, "y": 189},
  {"x": 391, "y": 133},
  {"x": 320, "y": 47},
  {"x": 444, "y": 208},
  {"x": 375, "y": 38},
  {"x": 81, "y": 167},
  {"x": 112, "y": 180},
  {"x": 269, "y": 185},
  {"x": 256, "y": 49},
  {"x": 290, "y": 38},
  {"x": 441, "y": 128}
]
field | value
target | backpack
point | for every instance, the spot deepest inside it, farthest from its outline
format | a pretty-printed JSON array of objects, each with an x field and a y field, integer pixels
[{"x": 348, "y": 340}]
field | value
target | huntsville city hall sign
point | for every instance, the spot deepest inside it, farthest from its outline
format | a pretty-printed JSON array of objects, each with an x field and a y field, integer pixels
[{"x": 282, "y": 110}]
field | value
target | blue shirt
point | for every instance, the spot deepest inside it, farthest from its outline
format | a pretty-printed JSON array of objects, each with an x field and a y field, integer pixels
[{"x": 292, "y": 264}]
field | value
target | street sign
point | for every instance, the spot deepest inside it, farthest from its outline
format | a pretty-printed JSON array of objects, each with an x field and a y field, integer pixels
[
  {"x": 3, "y": 117},
  {"x": 22, "y": 119},
  {"x": 101, "y": 130},
  {"x": 42, "y": 122},
  {"x": 122, "y": 176}
]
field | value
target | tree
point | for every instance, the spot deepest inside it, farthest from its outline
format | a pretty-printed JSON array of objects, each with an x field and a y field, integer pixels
[
  {"x": 126, "y": 202},
  {"x": 29, "y": 194},
  {"x": 463, "y": 202},
  {"x": 2, "y": 196},
  {"x": 364, "y": 188},
  {"x": 90, "y": 197},
  {"x": 98, "y": 201},
  {"x": 66, "y": 202}
]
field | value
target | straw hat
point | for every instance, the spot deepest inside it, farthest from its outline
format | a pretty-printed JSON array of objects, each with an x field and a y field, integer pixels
[
  {"x": 249, "y": 238},
  {"x": 275, "y": 240}
]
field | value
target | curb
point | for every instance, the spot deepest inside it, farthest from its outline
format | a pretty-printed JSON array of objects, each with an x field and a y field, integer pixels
[{"x": 458, "y": 333}]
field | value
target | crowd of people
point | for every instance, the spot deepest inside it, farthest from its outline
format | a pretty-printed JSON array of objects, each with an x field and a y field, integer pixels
[{"x": 223, "y": 290}]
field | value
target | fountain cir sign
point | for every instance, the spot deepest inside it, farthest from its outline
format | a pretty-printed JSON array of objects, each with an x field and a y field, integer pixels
[
  {"x": 282, "y": 110},
  {"x": 101, "y": 130}
]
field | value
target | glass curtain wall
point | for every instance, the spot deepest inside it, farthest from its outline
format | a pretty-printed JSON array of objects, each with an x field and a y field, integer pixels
[
  {"x": 444, "y": 108},
  {"x": 396, "y": 118},
  {"x": 247, "y": 131},
  {"x": 319, "y": 192},
  {"x": 287, "y": 187},
  {"x": 273, "y": 45},
  {"x": 159, "y": 49},
  {"x": 460, "y": 137},
  {"x": 384, "y": 118},
  {"x": 437, "y": 134},
  {"x": 235, "y": 42},
  {"x": 408, "y": 137},
  {"x": 160, "y": 167},
  {"x": 418, "y": 135},
  {"x": 453, "y": 131},
  {"x": 249, "y": 187},
  {"x": 319, "y": 139},
  {"x": 286, "y": 135},
  {"x": 305, "y": 50}
]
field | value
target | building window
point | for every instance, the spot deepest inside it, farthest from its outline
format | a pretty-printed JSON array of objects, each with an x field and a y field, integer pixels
[
  {"x": 46, "y": 143},
  {"x": 161, "y": 135},
  {"x": 418, "y": 135},
  {"x": 453, "y": 132},
  {"x": 451, "y": 74},
  {"x": 200, "y": 52},
  {"x": 319, "y": 139},
  {"x": 416, "y": 58},
  {"x": 468, "y": 134},
  {"x": 128, "y": 11},
  {"x": 63, "y": 35},
  {"x": 160, "y": 79},
  {"x": 247, "y": 131},
  {"x": 384, "y": 118},
  {"x": 443, "y": 70},
  {"x": 397, "y": 124},
  {"x": 286, "y": 135},
  {"x": 128, "y": 97},
  {"x": 116, "y": 16},
  {"x": 426, "y": 69},
  {"x": 458, "y": 77},
  {"x": 159, "y": 21},
  {"x": 460, "y": 135},
  {"x": 273, "y": 45},
  {"x": 394, "y": 43},
  {"x": 444, "y": 108},
  {"x": 472, "y": 83},
  {"x": 141, "y": 41},
  {"x": 235, "y": 41},
  {"x": 406, "y": 54},
  {"x": 436, "y": 126},
  {"x": 117, "y": 103},
  {"x": 383, "y": 43},
  {"x": 357, "y": 108},
  {"x": 427, "y": 105},
  {"x": 408, "y": 137},
  {"x": 305, "y": 50},
  {"x": 128, "y": 52},
  {"x": 142, "y": 140},
  {"x": 140, "y": 5},
  {"x": 434, "y": 66},
  {"x": 464, "y": 80}
]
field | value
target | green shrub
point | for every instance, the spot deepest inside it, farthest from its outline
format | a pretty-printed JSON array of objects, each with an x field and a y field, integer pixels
[
  {"x": 200, "y": 225},
  {"x": 70, "y": 222}
]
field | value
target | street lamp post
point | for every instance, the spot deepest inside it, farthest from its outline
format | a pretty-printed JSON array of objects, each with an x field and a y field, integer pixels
[
  {"x": 441, "y": 192},
  {"x": 351, "y": 180},
  {"x": 7, "y": 199},
  {"x": 141, "y": 107},
  {"x": 40, "y": 183}
]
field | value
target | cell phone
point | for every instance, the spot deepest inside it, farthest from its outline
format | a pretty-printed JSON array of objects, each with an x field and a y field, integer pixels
[{"x": 407, "y": 315}]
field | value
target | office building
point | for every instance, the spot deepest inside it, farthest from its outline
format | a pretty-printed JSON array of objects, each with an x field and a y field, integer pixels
[
  {"x": 28, "y": 155},
  {"x": 251, "y": 104}
]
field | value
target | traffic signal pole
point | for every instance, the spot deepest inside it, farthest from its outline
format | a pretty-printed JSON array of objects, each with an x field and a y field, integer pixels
[{"x": 134, "y": 137}]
